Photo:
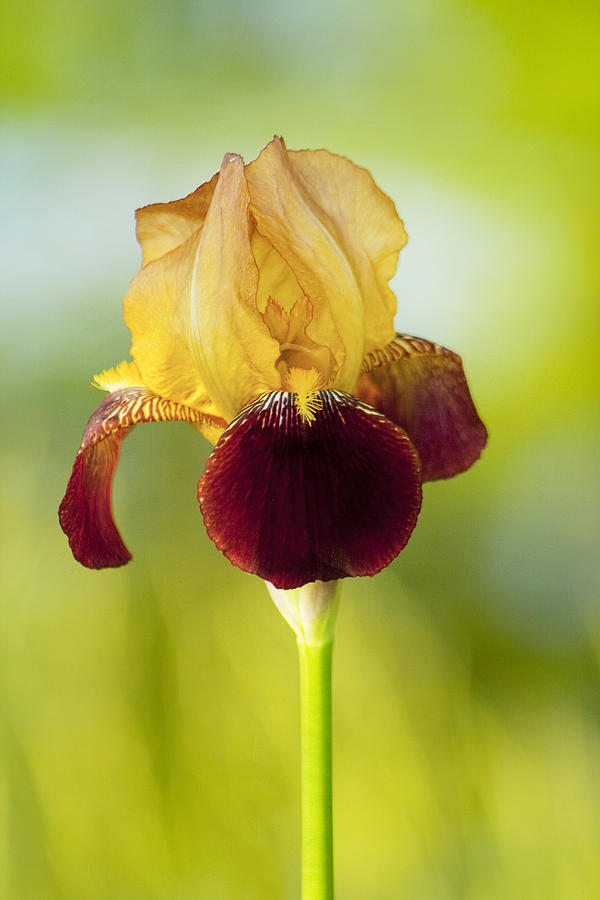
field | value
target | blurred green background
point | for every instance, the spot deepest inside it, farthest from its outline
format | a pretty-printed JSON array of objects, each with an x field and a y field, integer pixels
[{"x": 150, "y": 714}]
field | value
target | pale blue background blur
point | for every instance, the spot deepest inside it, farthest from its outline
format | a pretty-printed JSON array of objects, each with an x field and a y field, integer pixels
[{"x": 150, "y": 714}]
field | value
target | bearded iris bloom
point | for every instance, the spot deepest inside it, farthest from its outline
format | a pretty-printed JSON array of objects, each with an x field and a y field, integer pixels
[{"x": 262, "y": 316}]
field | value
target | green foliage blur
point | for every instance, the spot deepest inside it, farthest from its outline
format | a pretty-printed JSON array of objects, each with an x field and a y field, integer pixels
[{"x": 150, "y": 715}]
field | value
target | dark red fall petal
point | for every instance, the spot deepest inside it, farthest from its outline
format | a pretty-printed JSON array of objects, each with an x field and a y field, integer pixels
[
  {"x": 295, "y": 503},
  {"x": 85, "y": 513},
  {"x": 422, "y": 387}
]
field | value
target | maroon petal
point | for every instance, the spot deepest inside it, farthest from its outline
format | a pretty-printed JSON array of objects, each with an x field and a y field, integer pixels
[
  {"x": 295, "y": 502},
  {"x": 85, "y": 513},
  {"x": 422, "y": 387}
]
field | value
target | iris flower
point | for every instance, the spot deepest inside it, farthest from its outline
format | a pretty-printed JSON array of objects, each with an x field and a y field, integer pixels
[{"x": 262, "y": 316}]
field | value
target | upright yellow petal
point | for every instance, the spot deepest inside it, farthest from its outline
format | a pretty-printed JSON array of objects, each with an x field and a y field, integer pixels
[
  {"x": 340, "y": 236},
  {"x": 161, "y": 227},
  {"x": 287, "y": 213},
  {"x": 156, "y": 312},
  {"x": 230, "y": 344},
  {"x": 364, "y": 223}
]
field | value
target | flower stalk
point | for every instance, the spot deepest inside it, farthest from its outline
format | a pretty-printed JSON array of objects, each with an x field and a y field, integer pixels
[
  {"x": 316, "y": 771},
  {"x": 311, "y": 611}
]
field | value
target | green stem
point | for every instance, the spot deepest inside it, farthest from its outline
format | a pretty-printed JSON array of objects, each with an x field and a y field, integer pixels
[{"x": 317, "y": 825}]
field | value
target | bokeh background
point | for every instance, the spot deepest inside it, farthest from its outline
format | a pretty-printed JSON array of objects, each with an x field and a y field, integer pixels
[{"x": 150, "y": 715}]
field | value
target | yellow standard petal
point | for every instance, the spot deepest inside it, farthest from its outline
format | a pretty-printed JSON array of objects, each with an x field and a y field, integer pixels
[
  {"x": 197, "y": 336},
  {"x": 156, "y": 312},
  {"x": 162, "y": 227},
  {"x": 340, "y": 237},
  {"x": 364, "y": 224},
  {"x": 288, "y": 215},
  {"x": 230, "y": 344}
]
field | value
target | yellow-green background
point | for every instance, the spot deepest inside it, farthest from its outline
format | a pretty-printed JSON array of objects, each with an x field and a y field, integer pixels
[{"x": 150, "y": 715}]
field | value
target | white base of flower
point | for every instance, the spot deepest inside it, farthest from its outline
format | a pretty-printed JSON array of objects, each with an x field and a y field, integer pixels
[{"x": 310, "y": 610}]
